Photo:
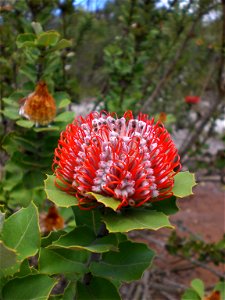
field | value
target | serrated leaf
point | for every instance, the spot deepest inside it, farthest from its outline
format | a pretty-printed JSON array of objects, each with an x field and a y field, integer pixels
[
  {"x": 183, "y": 184},
  {"x": 136, "y": 219},
  {"x": 21, "y": 232},
  {"x": 107, "y": 201},
  {"x": 126, "y": 265},
  {"x": 48, "y": 38},
  {"x": 99, "y": 288},
  {"x": 83, "y": 237},
  {"x": 53, "y": 236},
  {"x": 62, "y": 261},
  {"x": 25, "y": 123},
  {"x": 32, "y": 287},
  {"x": 57, "y": 196},
  {"x": 167, "y": 206},
  {"x": 198, "y": 286},
  {"x": 8, "y": 257}
]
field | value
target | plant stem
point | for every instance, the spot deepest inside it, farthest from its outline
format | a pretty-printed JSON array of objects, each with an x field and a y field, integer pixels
[{"x": 95, "y": 256}]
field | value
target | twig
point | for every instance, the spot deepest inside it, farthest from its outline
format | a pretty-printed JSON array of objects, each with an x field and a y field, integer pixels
[{"x": 206, "y": 267}]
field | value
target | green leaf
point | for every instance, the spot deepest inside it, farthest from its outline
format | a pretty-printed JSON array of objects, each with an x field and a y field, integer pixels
[
  {"x": 98, "y": 289},
  {"x": 198, "y": 286},
  {"x": 32, "y": 287},
  {"x": 8, "y": 256},
  {"x": 11, "y": 113},
  {"x": 21, "y": 232},
  {"x": 53, "y": 236},
  {"x": 60, "y": 198},
  {"x": 62, "y": 99},
  {"x": 25, "y": 269},
  {"x": 63, "y": 103},
  {"x": 11, "y": 102},
  {"x": 107, "y": 201},
  {"x": 190, "y": 294},
  {"x": 62, "y": 261},
  {"x": 91, "y": 218},
  {"x": 24, "y": 38},
  {"x": 167, "y": 206},
  {"x": 25, "y": 123},
  {"x": 183, "y": 184},
  {"x": 70, "y": 291},
  {"x": 66, "y": 116},
  {"x": 61, "y": 45},
  {"x": 48, "y": 38},
  {"x": 136, "y": 219},
  {"x": 83, "y": 237},
  {"x": 126, "y": 265}
]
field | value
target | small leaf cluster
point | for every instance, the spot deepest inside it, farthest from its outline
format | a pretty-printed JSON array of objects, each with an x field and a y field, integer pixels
[
  {"x": 197, "y": 291},
  {"x": 192, "y": 246}
]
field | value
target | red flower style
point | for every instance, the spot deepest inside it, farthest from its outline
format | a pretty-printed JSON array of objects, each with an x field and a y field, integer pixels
[
  {"x": 192, "y": 99},
  {"x": 132, "y": 160}
]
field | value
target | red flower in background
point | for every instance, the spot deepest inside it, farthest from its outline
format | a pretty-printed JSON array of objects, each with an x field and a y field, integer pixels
[
  {"x": 39, "y": 106},
  {"x": 192, "y": 99},
  {"x": 132, "y": 160}
]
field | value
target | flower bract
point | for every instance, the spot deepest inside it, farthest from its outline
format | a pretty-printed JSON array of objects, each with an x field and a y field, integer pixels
[{"x": 133, "y": 160}]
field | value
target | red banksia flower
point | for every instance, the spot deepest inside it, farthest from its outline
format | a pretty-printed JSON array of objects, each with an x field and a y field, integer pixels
[
  {"x": 39, "y": 106},
  {"x": 132, "y": 160},
  {"x": 192, "y": 99}
]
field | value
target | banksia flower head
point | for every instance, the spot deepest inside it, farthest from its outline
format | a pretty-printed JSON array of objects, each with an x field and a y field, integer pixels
[
  {"x": 132, "y": 160},
  {"x": 39, "y": 106},
  {"x": 192, "y": 99}
]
